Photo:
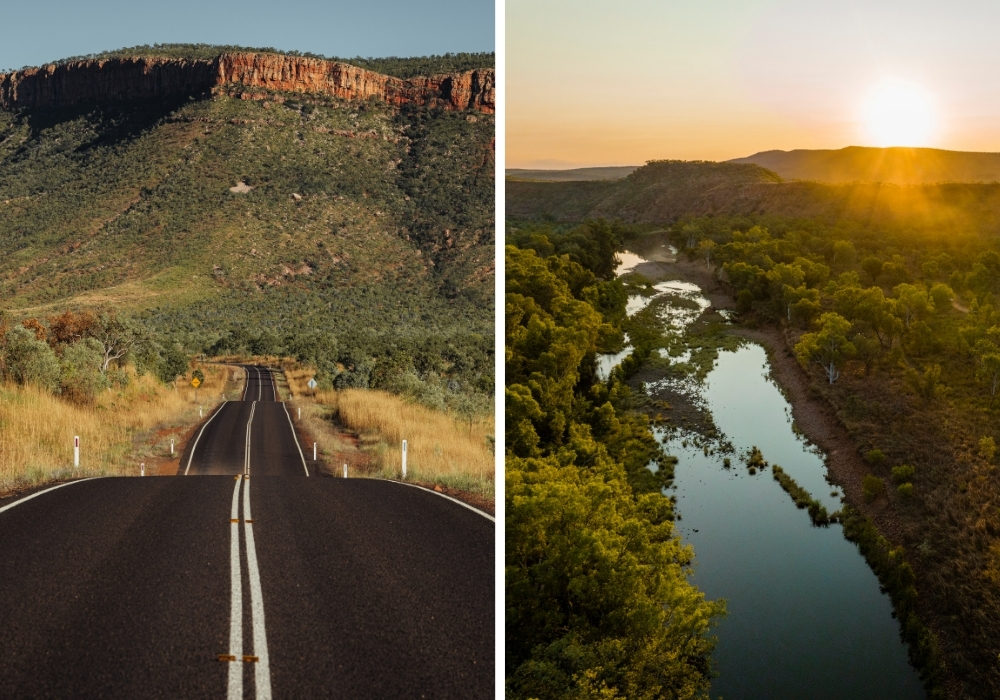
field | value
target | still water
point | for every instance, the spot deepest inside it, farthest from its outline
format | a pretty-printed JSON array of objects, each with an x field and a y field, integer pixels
[{"x": 806, "y": 616}]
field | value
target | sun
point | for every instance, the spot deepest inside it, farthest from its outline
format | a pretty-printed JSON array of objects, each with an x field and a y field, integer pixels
[{"x": 898, "y": 113}]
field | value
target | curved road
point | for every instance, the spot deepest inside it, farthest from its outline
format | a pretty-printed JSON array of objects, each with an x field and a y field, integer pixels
[{"x": 250, "y": 582}]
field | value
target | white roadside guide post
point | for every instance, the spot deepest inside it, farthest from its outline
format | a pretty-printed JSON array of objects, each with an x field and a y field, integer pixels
[
  {"x": 142, "y": 469},
  {"x": 171, "y": 447},
  {"x": 300, "y": 413},
  {"x": 314, "y": 451},
  {"x": 345, "y": 471},
  {"x": 76, "y": 451},
  {"x": 404, "y": 459}
]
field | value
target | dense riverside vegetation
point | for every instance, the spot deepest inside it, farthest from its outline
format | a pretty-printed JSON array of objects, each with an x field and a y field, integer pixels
[
  {"x": 598, "y": 602},
  {"x": 900, "y": 328},
  {"x": 354, "y": 236}
]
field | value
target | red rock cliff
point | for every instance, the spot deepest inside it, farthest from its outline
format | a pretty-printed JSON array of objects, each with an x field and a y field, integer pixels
[{"x": 130, "y": 78}]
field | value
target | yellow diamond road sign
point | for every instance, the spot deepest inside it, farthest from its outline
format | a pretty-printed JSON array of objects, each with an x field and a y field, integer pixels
[{"x": 195, "y": 382}]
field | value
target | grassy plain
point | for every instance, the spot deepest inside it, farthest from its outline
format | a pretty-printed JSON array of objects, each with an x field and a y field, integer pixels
[{"x": 123, "y": 428}]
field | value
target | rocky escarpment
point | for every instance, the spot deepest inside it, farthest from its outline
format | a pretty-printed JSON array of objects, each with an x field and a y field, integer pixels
[{"x": 142, "y": 77}]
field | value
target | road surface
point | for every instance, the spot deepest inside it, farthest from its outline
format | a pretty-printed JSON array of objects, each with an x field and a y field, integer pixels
[{"x": 253, "y": 580}]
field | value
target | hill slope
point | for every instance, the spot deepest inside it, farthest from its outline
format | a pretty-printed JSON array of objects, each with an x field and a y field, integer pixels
[
  {"x": 900, "y": 166},
  {"x": 613, "y": 172},
  {"x": 662, "y": 192},
  {"x": 257, "y": 217}
]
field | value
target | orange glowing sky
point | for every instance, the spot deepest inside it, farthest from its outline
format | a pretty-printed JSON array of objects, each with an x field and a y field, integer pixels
[{"x": 599, "y": 83}]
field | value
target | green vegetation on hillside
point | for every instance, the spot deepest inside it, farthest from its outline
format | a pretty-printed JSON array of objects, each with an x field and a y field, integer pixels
[
  {"x": 897, "y": 165},
  {"x": 598, "y": 602},
  {"x": 353, "y": 235},
  {"x": 400, "y": 67}
]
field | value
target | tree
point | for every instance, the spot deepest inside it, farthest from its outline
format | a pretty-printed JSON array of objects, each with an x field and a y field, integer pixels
[
  {"x": 942, "y": 295},
  {"x": 597, "y": 590},
  {"x": 912, "y": 302},
  {"x": 927, "y": 385},
  {"x": 706, "y": 248},
  {"x": 868, "y": 350},
  {"x": 872, "y": 266},
  {"x": 829, "y": 347},
  {"x": 116, "y": 335},
  {"x": 989, "y": 372},
  {"x": 844, "y": 253}
]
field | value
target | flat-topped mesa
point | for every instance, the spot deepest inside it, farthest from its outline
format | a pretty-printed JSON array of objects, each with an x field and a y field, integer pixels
[{"x": 143, "y": 78}]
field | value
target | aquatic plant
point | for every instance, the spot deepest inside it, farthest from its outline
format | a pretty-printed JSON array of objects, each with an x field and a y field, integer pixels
[
  {"x": 802, "y": 498},
  {"x": 896, "y": 577}
]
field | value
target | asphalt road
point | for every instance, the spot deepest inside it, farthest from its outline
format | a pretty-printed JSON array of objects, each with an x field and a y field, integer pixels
[{"x": 229, "y": 586}]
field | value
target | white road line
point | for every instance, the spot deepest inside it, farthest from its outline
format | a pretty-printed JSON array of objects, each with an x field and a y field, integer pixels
[
  {"x": 246, "y": 452},
  {"x": 195, "y": 445},
  {"x": 436, "y": 493},
  {"x": 274, "y": 386},
  {"x": 260, "y": 386},
  {"x": 235, "y": 685},
  {"x": 292, "y": 426},
  {"x": 246, "y": 382},
  {"x": 262, "y": 669},
  {"x": 36, "y": 495}
]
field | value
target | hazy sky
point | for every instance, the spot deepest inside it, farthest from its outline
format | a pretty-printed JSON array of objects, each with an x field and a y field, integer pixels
[
  {"x": 37, "y": 32},
  {"x": 601, "y": 83}
]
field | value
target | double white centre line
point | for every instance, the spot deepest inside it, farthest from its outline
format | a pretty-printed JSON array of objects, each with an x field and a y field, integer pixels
[
  {"x": 259, "y": 658},
  {"x": 246, "y": 452}
]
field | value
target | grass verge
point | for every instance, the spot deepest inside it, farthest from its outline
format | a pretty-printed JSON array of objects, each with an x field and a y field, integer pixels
[
  {"x": 365, "y": 429},
  {"x": 123, "y": 427}
]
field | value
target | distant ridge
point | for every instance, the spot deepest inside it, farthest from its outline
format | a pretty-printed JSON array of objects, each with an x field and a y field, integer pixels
[
  {"x": 616, "y": 172},
  {"x": 900, "y": 166}
]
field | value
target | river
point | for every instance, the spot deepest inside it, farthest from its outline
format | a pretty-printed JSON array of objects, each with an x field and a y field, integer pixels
[{"x": 806, "y": 615}]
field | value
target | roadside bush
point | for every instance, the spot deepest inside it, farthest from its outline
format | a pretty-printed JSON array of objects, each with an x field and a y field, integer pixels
[
  {"x": 80, "y": 377},
  {"x": 28, "y": 360},
  {"x": 903, "y": 473},
  {"x": 872, "y": 487}
]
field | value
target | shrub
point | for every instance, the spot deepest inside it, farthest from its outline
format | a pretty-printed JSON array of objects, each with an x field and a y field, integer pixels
[
  {"x": 905, "y": 490},
  {"x": 28, "y": 360},
  {"x": 872, "y": 487},
  {"x": 81, "y": 378},
  {"x": 875, "y": 457},
  {"x": 987, "y": 448},
  {"x": 744, "y": 300},
  {"x": 903, "y": 473}
]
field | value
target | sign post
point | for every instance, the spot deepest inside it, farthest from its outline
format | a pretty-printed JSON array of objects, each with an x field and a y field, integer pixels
[
  {"x": 404, "y": 459},
  {"x": 76, "y": 451},
  {"x": 195, "y": 382},
  {"x": 312, "y": 385}
]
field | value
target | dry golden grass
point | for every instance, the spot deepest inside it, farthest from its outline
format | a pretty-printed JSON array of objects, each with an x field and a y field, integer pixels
[
  {"x": 37, "y": 428},
  {"x": 441, "y": 447}
]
